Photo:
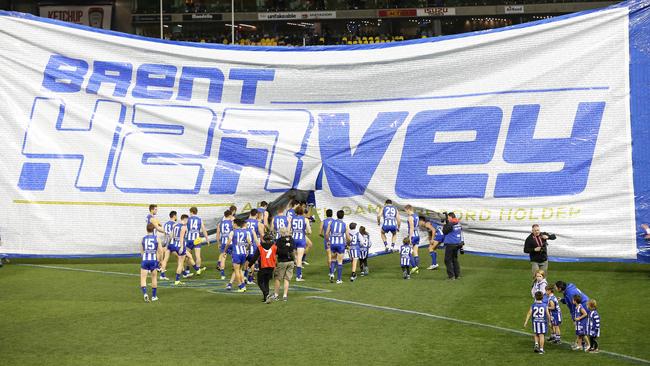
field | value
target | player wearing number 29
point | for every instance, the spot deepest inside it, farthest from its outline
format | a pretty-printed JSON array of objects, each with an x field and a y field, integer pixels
[
  {"x": 300, "y": 228},
  {"x": 149, "y": 263},
  {"x": 389, "y": 221},
  {"x": 539, "y": 312}
]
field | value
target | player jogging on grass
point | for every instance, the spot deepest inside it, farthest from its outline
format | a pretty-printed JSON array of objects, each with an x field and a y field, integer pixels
[
  {"x": 223, "y": 231},
  {"x": 389, "y": 220},
  {"x": 195, "y": 228},
  {"x": 239, "y": 238},
  {"x": 300, "y": 228},
  {"x": 338, "y": 236},
  {"x": 149, "y": 263},
  {"x": 324, "y": 225}
]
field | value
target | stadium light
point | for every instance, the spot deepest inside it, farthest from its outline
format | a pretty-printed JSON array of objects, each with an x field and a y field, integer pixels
[
  {"x": 161, "y": 19},
  {"x": 232, "y": 20}
]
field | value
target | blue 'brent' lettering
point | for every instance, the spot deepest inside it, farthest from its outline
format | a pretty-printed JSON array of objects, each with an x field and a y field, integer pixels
[
  {"x": 349, "y": 174},
  {"x": 117, "y": 73},
  {"x": 152, "y": 81},
  {"x": 421, "y": 152},
  {"x": 64, "y": 74},
  {"x": 576, "y": 152}
]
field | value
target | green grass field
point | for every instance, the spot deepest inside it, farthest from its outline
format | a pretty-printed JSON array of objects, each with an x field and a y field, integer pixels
[{"x": 61, "y": 316}]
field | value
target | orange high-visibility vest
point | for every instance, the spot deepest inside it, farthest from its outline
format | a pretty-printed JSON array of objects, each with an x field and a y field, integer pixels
[{"x": 267, "y": 256}]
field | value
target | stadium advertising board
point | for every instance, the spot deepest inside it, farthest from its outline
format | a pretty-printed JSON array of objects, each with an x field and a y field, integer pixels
[
  {"x": 514, "y": 9},
  {"x": 297, "y": 15},
  {"x": 96, "y": 16},
  {"x": 435, "y": 12},
  {"x": 507, "y": 128}
]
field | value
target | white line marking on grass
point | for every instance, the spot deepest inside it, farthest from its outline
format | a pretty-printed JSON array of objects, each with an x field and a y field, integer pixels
[
  {"x": 79, "y": 269},
  {"x": 466, "y": 322}
]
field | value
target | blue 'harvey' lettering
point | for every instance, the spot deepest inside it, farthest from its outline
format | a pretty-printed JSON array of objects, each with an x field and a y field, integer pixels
[{"x": 349, "y": 174}]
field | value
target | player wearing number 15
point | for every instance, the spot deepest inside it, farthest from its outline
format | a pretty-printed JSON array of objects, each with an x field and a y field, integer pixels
[
  {"x": 149, "y": 263},
  {"x": 540, "y": 315}
]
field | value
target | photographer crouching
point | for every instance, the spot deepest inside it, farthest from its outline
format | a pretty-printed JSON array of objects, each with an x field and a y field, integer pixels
[
  {"x": 535, "y": 245},
  {"x": 453, "y": 244}
]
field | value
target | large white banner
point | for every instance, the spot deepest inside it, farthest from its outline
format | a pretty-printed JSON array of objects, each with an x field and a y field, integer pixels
[{"x": 506, "y": 128}]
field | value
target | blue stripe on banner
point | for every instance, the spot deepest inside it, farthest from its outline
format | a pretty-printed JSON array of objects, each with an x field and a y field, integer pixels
[
  {"x": 639, "y": 119},
  {"x": 303, "y": 49}
]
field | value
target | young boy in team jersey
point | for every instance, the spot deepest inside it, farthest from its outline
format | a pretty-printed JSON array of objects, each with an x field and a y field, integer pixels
[
  {"x": 555, "y": 314},
  {"x": 389, "y": 221},
  {"x": 580, "y": 316},
  {"x": 223, "y": 231},
  {"x": 149, "y": 264},
  {"x": 593, "y": 326},
  {"x": 539, "y": 312},
  {"x": 405, "y": 253},
  {"x": 354, "y": 250},
  {"x": 364, "y": 250}
]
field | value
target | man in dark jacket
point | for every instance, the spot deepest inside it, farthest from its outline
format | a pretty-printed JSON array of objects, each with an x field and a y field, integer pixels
[
  {"x": 453, "y": 242},
  {"x": 285, "y": 265},
  {"x": 535, "y": 246}
]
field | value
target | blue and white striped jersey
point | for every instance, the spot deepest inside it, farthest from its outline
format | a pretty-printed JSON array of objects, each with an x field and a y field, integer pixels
[
  {"x": 239, "y": 240},
  {"x": 149, "y": 247},
  {"x": 225, "y": 227},
  {"x": 194, "y": 224},
  {"x": 389, "y": 214},
  {"x": 337, "y": 232},
  {"x": 354, "y": 239},
  {"x": 298, "y": 227}
]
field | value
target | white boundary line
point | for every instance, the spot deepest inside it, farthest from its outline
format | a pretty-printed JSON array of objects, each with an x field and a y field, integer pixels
[
  {"x": 79, "y": 269},
  {"x": 138, "y": 275},
  {"x": 466, "y": 322}
]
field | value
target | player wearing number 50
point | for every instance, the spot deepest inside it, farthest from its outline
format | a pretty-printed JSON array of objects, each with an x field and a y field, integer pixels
[
  {"x": 539, "y": 312},
  {"x": 300, "y": 228},
  {"x": 149, "y": 263}
]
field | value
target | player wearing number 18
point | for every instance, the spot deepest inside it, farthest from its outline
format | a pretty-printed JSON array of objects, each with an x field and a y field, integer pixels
[
  {"x": 149, "y": 263},
  {"x": 539, "y": 312}
]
